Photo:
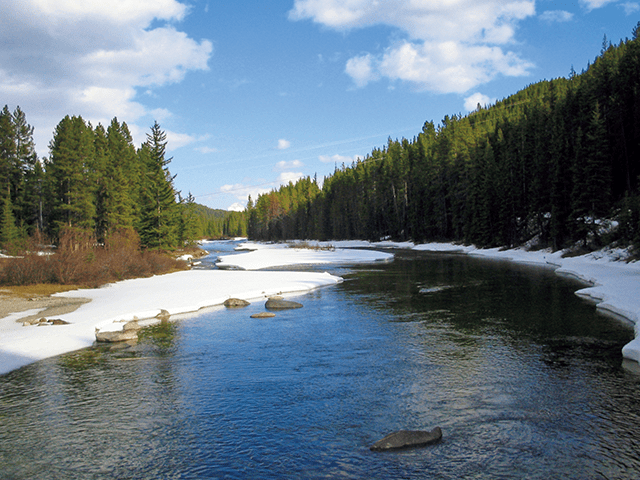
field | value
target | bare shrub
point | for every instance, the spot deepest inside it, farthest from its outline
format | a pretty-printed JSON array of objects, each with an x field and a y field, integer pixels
[{"x": 78, "y": 260}]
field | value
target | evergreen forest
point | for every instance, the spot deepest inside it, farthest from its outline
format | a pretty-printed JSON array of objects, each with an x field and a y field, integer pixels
[
  {"x": 554, "y": 165},
  {"x": 95, "y": 183}
]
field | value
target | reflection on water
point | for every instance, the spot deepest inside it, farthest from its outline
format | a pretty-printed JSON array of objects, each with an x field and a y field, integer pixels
[{"x": 522, "y": 376}]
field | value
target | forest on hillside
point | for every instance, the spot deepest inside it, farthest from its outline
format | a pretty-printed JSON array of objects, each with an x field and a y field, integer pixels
[
  {"x": 555, "y": 164},
  {"x": 94, "y": 184}
]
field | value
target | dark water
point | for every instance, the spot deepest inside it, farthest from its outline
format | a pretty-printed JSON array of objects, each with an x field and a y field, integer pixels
[{"x": 524, "y": 378}]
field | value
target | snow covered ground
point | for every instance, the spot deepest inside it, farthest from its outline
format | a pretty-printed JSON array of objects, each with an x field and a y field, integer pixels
[
  {"x": 614, "y": 286},
  {"x": 280, "y": 255},
  {"x": 177, "y": 293}
]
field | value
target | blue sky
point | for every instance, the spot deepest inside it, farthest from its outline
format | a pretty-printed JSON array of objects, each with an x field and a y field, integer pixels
[{"x": 253, "y": 94}]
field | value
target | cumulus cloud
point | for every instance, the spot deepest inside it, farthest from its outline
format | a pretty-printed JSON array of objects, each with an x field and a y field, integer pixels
[
  {"x": 361, "y": 70},
  {"x": 471, "y": 103},
  {"x": 236, "y": 207},
  {"x": 90, "y": 58},
  {"x": 450, "y": 46},
  {"x": 339, "y": 159},
  {"x": 283, "y": 144},
  {"x": 285, "y": 177},
  {"x": 552, "y": 16},
  {"x": 630, "y": 7},
  {"x": 243, "y": 191}
]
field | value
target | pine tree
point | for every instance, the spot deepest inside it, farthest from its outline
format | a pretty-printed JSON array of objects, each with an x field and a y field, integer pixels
[
  {"x": 28, "y": 190},
  {"x": 9, "y": 233},
  {"x": 158, "y": 225},
  {"x": 69, "y": 176}
]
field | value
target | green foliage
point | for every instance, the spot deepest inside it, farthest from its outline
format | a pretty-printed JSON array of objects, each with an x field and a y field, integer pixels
[
  {"x": 544, "y": 164},
  {"x": 94, "y": 181},
  {"x": 160, "y": 216}
]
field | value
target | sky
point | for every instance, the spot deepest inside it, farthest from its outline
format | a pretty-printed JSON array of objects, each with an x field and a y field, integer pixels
[{"x": 254, "y": 94}]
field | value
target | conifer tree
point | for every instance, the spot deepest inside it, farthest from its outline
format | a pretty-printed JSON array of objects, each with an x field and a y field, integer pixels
[
  {"x": 158, "y": 225},
  {"x": 28, "y": 190},
  {"x": 69, "y": 176},
  {"x": 9, "y": 233}
]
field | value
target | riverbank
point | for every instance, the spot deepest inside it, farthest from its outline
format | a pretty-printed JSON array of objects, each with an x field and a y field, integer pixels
[
  {"x": 614, "y": 286},
  {"x": 613, "y": 283},
  {"x": 107, "y": 308}
]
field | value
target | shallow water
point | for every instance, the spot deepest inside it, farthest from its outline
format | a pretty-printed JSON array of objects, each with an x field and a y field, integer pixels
[{"x": 524, "y": 378}]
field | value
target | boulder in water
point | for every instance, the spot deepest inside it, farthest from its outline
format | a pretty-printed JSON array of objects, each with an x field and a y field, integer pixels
[
  {"x": 235, "y": 303},
  {"x": 119, "y": 336},
  {"x": 263, "y": 315},
  {"x": 407, "y": 439},
  {"x": 279, "y": 304}
]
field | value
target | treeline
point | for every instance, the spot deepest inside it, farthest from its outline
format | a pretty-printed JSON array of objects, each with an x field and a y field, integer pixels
[
  {"x": 548, "y": 164},
  {"x": 94, "y": 184},
  {"x": 216, "y": 223}
]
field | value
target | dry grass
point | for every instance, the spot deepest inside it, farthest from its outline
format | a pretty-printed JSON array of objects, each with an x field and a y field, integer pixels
[
  {"x": 41, "y": 289},
  {"x": 310, "y": 246}
]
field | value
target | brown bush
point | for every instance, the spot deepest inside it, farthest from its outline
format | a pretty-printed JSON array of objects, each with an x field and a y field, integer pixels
[{"x": 78, "y": 260}]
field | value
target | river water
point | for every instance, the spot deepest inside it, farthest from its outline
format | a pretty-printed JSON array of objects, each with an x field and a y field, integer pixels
[{"x": 523, "y": 377}]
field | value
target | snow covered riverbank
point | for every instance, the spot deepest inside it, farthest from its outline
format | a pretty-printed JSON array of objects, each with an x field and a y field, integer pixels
[
  {"x": 177, "y": 293},
  {"x": 613, "y": 285}
]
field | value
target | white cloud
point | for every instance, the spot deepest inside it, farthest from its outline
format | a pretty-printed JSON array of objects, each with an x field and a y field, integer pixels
[
  {"x": 339, "y": 159},
  {"x": 459, "y": 40},
  {"x": 236, "y": 207},
  {"x": 288, "y": 165},
  {"x": 242, "y": 191},
  {"x": 471, "y": 103},
  {"x": 630, "y": 7},
  {"x": 593, "y": 4},
  {"x": 285, "y": 177},
  {"x": 178, "y": 140},
  {"x": 90, "y": 58},
  {"x": 283, "y": 144},
  {"x": 552, "y": 16},
  {"x": 360, "y": 69}
]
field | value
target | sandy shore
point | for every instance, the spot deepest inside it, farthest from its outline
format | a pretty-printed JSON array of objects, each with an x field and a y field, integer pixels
[{"x": 47, "y": 306}]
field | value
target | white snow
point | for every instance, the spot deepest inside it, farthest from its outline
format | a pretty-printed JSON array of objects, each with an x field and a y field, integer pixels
[
  {"x": 614, "y": 283},
  {"x": 282, "y": 255},
  {"x": 144, "y": 298},
  {"x": 614, "y": 286}
]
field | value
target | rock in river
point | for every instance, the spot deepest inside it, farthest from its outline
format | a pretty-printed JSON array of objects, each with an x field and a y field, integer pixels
[
  {"x": 263, "y": 315},
  {"x": 119, "y": 336},
  {"x": 407, "y": 439},
  {"x": 280, "y": 304},
  {"x": 235, "y": 303}
]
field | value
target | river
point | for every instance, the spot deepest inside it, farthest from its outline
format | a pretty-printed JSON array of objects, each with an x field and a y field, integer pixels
[{"x": 525, "y": 379}]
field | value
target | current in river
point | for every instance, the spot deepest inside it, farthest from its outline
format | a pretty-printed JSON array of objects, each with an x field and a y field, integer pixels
[{"x": 525, "y": 379}]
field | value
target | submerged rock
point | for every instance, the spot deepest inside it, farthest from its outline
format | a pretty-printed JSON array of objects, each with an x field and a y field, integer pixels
[
  {"x": 263, "y": 315},
  {"x": 277, "y": 303},
  {"x": 407, "y": 439},
  {"x": 119, "y": 336},
  {"x": 235, "y": 303}
]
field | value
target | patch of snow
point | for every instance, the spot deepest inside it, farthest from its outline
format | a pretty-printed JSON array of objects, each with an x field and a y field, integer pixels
[
  {"x": 178, "y": 293},
  {"x": 263, "y": 256}
]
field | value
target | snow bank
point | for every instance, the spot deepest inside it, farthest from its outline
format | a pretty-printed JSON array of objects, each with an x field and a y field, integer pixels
[
  {"x": 281, "y": 255},
  {"x": 177, "y": 293},
  {"x": 614, "y": 284}
]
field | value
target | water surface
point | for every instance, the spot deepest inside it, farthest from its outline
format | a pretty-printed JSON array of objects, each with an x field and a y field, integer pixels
[{"x": 524, "y": 378}]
